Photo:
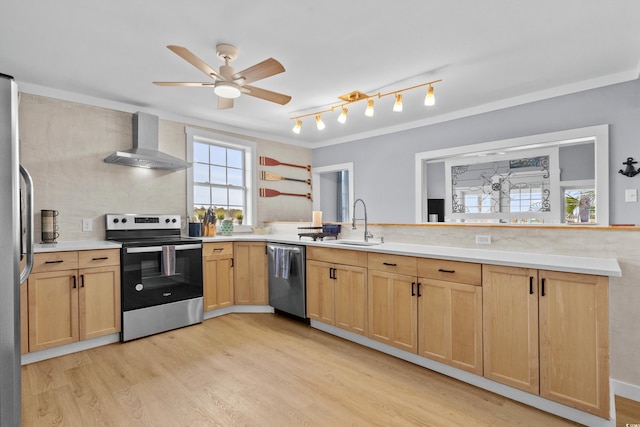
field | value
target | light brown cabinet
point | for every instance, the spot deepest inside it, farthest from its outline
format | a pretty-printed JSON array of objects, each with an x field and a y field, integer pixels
[
  {"x": 218, "y": 272},
  {"x": 392, "y": 300},
  {"x": 251, "y": 285},
  {"x": 337, "y": 288},
  {"x": 450, "y": 313},
  {"x": 73, "y": 296},
  {"x": 546, "y": 332}
]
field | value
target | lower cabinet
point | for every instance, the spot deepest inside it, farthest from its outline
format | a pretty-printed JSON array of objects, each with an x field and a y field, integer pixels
[
  {"x": 337, "y": 292},
  {"x": 73, "y": 296},
  {"x": 546, "y": 332},
  {"x": 217, "y": 263},
  {"x": 450, "y": 313},
  {"x": 251, "y": 283}
]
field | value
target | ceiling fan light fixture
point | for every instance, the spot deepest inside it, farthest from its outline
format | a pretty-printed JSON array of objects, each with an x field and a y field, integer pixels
[
  {"x": 296, "y": 129},
  {"x": 369, "y": 111},
  {"x": 227, "y": 90},
  {"x": 342, "y": 118},
  {"x": 319, "y": 123},
  {"x": 397, "y": 106},
  {"x": 430, "y": 99}
]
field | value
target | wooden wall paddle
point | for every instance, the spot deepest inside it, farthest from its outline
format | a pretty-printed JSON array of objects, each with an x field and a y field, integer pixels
[
  {"x": 268, "y": 161},
  {"x": 268, "y": 192},
  {"x": 269, "y": 176}
]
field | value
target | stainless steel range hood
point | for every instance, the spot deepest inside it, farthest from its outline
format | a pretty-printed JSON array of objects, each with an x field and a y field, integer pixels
[{"x": 145, "y": 152}]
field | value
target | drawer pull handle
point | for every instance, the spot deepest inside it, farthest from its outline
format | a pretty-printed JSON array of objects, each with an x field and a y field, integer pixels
[
  {"x": 413, "y": 290},
  {"x": 419, "y": 294},
  {"x": 442, "y": 270},
  {"x": 218, "y": 249},
  {"x": 75, "y": 285},
  {"x": 82, "y": 280},
  {"x": 530, "y": 285},
  {"x": 58, "y": 261},
  {"x": 102, "y": 258},
  {"x": 390, "y": 264},
  {"x": 542, "y": 285}
]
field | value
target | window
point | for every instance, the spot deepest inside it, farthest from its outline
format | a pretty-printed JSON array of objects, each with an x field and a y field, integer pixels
[{"x": 221, "y": 177}]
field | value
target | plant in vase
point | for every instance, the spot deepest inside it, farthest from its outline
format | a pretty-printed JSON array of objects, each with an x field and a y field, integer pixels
[{"x": 239, "y": 218}]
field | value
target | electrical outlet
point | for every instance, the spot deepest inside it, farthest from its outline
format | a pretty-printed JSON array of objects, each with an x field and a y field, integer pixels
[
  {"x": 631, "y": 195},
  {"x": 87, "y": 224},
  {"x": 483, "y": 240}
]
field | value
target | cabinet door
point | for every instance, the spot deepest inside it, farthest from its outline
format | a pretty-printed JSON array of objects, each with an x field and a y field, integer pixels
[
  {"x": 24, "y": 319},
  {"x": 218, "y": 282},
  {"x": 351, "y": 298},
  {"x": 510, "y": 317},
  {"x": 251, "y": 281},
  {"x": 574, "y": 343},
  {"x": 320, "y": 291},
  {"x": 53, "y": 309},
  {"x": 393, "y": 310},
  {"x": 450, "y": 323},
  {"x": 99, "y": 301}
]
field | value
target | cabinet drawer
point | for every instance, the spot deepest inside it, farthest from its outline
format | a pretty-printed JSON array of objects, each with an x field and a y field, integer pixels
[
  {"x": 99, "y": 258},
  {"x": 450, "y": 271},
  {"x": 55, "y": 261},
  {"x": 217, "y": 249},
  {"x": 337, "y": 256},
  {"x": 393, "y": 263}
]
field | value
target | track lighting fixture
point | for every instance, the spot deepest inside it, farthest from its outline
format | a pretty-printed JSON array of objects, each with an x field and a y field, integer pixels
[
  {"x": 430, "y": 99},
  {"x": 342, "y": 118},
  {"x": 356, "y": 96},
  {"x": 369, "y": 111},
  {"x": 397, "y": 107}
]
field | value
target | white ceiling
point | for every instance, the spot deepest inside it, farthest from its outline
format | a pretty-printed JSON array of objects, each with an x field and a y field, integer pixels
[{"x": 489, "y": 54}]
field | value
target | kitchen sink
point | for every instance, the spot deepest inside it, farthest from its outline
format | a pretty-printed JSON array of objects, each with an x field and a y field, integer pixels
[{"x": 356, "y": 243}]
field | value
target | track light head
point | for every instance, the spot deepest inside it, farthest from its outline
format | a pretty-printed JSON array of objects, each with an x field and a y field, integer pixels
[
  {"x": 296, "y": 129},
  {"x": 430, "y": 99},
  {"x": 397, "y": 106},
  {"x": 319, "y": 123},
  {"x": 369, "y": 111},
  {"x": 342, "y": 118}
]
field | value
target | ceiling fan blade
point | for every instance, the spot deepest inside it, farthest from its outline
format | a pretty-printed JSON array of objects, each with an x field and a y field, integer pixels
[
  {"x": 192, "y": 59},
  {"x": 183, "y": 84},
  {"x": 224, "y": 103},
  {"x": 268, "y": 95},
  {"x": 267, "y": 68}
]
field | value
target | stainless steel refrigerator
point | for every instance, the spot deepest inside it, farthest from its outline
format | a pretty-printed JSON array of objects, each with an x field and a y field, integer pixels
[{"x": 13, "y": 201}]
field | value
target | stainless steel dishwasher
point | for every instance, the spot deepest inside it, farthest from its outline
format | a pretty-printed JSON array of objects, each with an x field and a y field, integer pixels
[{"x": 287, "y": 278}]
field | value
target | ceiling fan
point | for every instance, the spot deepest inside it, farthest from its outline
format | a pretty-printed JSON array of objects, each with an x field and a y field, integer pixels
[{"x": 228, "y": 84}]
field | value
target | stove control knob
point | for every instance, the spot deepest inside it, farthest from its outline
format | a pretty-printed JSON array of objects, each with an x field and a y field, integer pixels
[
  {"x": 124, "y": 220},
  {"x": 167, "y": 220},
  {"x": 116, "y": 220},
  {"x": 174, "y": 220},
  {"x": 139, "y": 287}
]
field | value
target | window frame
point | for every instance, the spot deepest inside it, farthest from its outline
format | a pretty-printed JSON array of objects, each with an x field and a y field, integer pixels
[{"x": 250, "y": 166}]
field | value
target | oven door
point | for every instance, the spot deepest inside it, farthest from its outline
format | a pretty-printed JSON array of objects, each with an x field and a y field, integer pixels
[{"x": 148, "y": 281}]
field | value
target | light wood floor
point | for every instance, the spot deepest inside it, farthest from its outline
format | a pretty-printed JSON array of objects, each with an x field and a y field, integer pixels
[{"x": 254, "y": 369}]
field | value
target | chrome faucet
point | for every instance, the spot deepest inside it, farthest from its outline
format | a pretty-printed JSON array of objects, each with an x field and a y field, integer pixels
[{"x": 367, "y": 234}]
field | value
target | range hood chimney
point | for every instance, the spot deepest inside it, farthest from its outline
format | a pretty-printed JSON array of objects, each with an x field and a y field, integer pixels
[{"x": 145, "y": 152}]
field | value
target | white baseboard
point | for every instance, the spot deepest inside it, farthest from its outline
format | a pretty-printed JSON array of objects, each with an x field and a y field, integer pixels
[
  {"x": 478, "y": 381},
  {"x": 626, "y": 390},
  {"x": 50, "y": 353}
]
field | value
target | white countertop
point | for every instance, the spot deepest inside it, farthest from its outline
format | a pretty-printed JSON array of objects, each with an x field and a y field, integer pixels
[
  {"x": 84, "y": 245},
  {"x": 572, "y": 264}
]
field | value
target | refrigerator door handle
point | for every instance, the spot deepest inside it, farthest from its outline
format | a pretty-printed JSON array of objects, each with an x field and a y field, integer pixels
[{"x": 29, "y": 224}]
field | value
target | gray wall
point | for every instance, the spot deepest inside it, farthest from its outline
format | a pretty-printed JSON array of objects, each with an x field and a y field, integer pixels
[{"x": 384, "y": 165}]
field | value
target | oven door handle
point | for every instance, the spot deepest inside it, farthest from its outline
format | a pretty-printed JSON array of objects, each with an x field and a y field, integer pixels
[{"x": 146, "y": 249}]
